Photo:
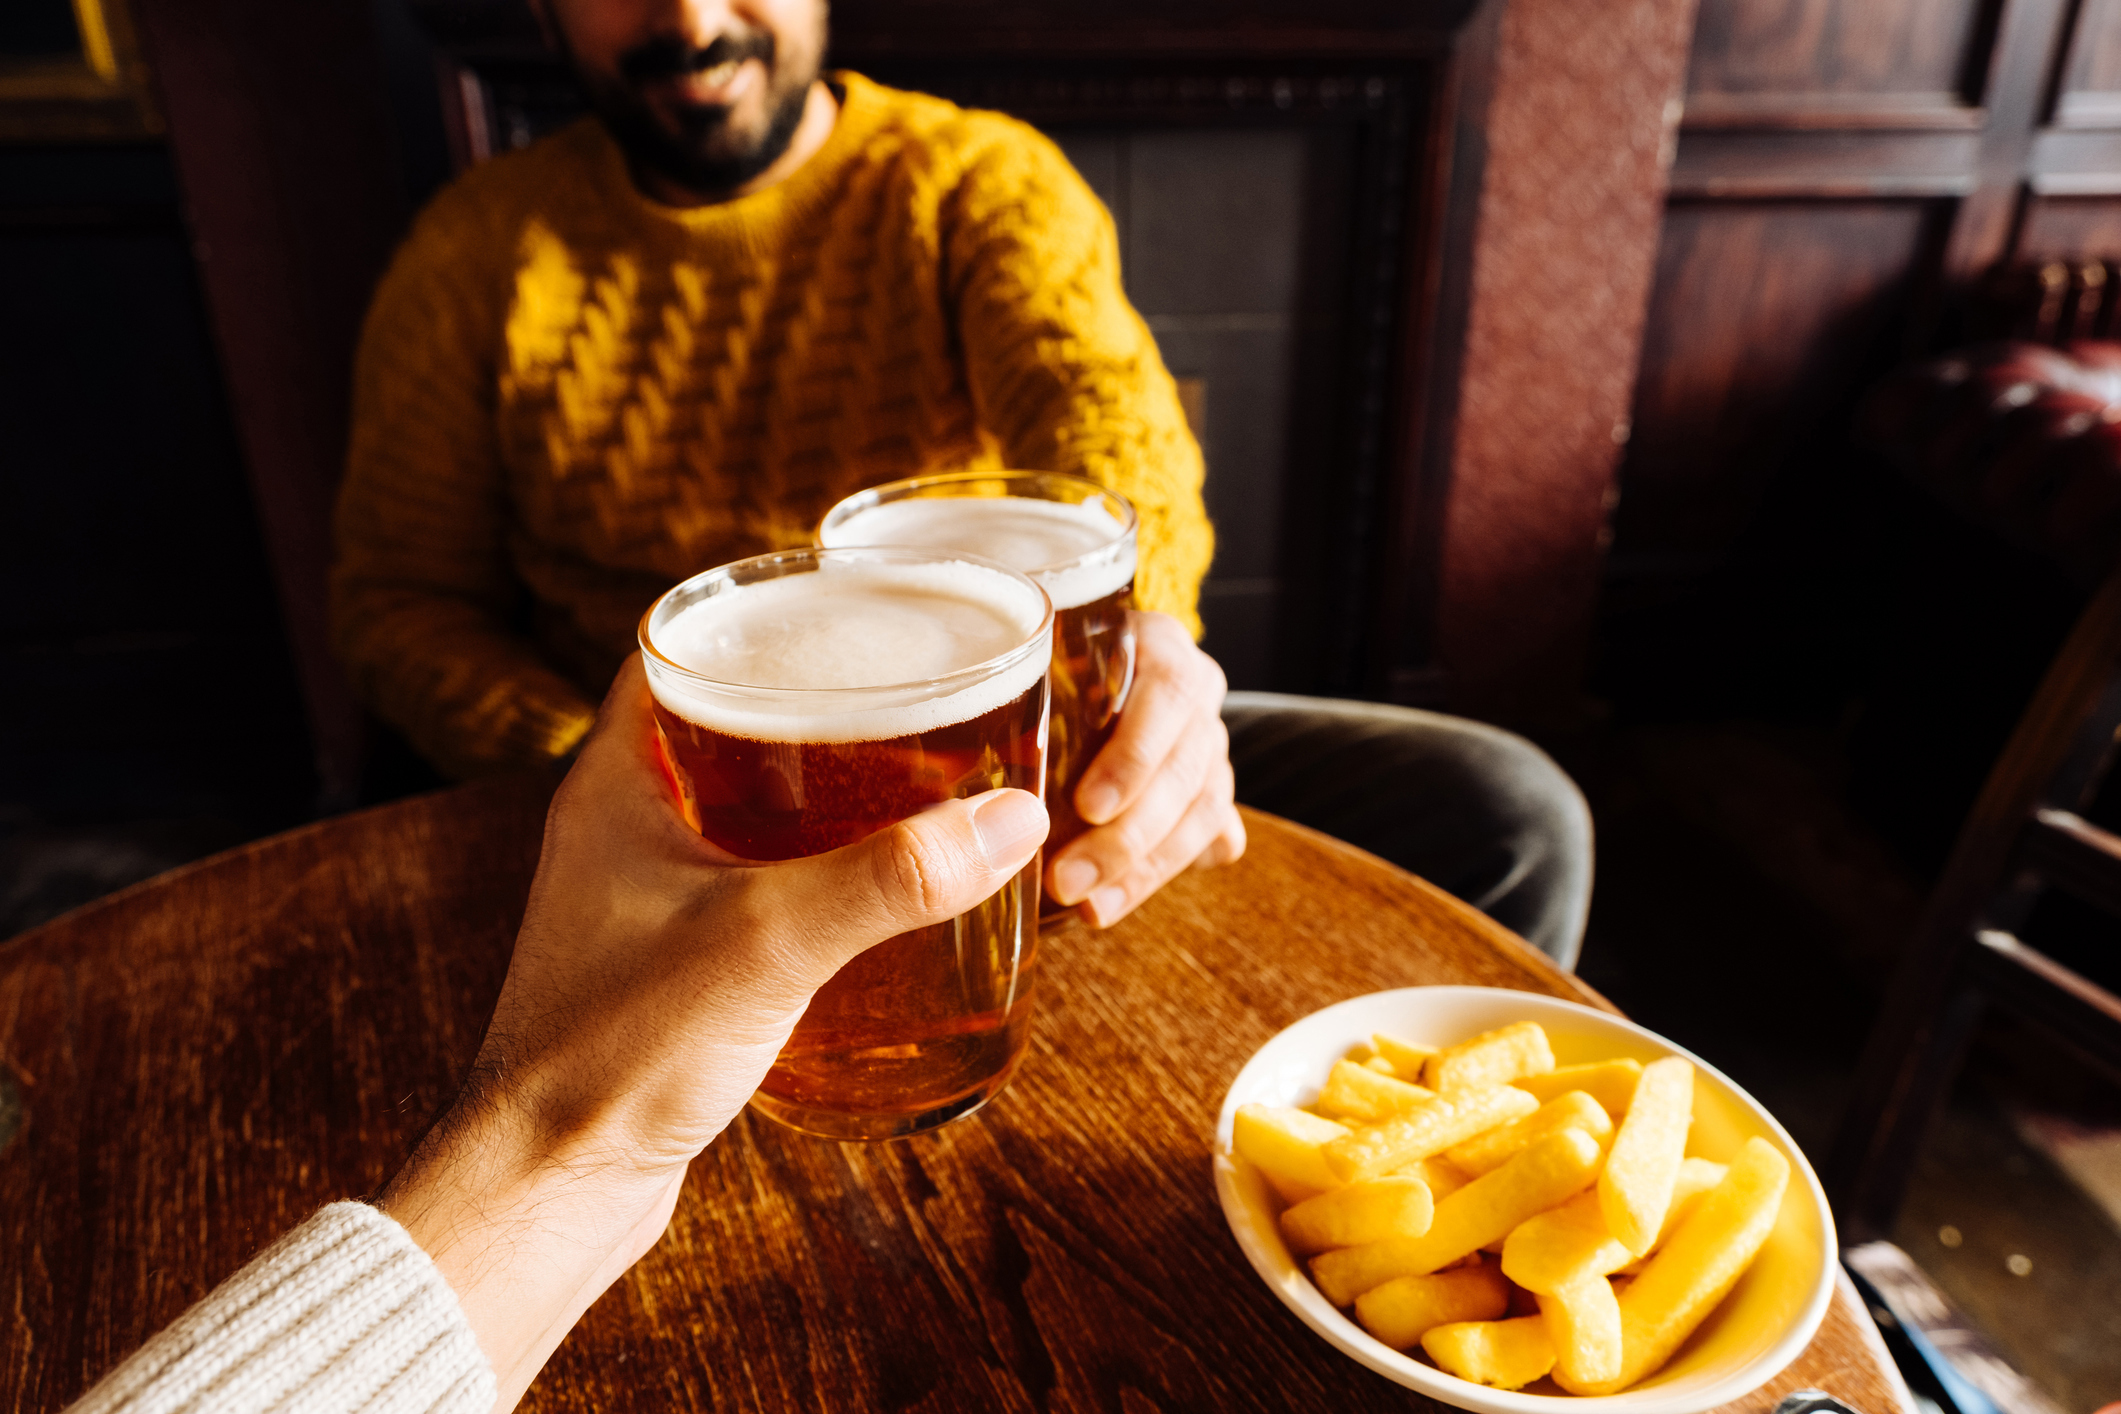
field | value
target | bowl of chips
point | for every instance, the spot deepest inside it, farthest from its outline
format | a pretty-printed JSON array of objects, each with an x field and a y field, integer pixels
[{"x": 1520, "y": 1205}]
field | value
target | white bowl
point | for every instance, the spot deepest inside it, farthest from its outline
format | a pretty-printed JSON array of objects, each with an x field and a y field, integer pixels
[{"x": 1761, "y": 1326}]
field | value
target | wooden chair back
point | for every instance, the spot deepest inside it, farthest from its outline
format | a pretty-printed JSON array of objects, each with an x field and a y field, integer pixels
[{"x": 2026, "y": 835}]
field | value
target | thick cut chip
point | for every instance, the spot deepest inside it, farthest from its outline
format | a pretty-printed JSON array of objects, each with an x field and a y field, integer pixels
[
  {"x": 1504, "y": 1354},
  {"x": 1443, "y": 1177},
  {"x": 1406, "y": 1057},
  {"x": 1636, "y": 1187},
  {"x": 1381, "y": 1066},
  {"x": 1477, "y": 1214},
  {"x": 1698, "y": 1265},
  {"x": 1285, "y": 1145},
  {"x": 1491, "y": 1058},
  {"x": 1696, "y": 1177},
  {"x": 1575, "y": 1110},
  {"x": 1429, "y": 1127},
  {"x": 1584, "y": 1321},
  {"x": 1567, "y": 1245},
  {"x": 1571, "y": 1243},
  {"x": 1357, "y": 1093},
  {"x": 1375, "y": 1210},
  {"x": 1401, "y": 1311},
  {"x": 1611, "y": 1083}
]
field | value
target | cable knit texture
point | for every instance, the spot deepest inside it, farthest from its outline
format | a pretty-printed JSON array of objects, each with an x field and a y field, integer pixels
[
  {"x": 569, "y": 397},
  {"x": 344, "y": 1313}
]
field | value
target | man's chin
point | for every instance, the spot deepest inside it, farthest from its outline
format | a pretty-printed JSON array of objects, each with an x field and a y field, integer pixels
[{"x": 709, "y": 151}]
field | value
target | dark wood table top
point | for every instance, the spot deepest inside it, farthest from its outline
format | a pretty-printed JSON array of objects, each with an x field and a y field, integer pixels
[{"x": 205, "y": 1059}]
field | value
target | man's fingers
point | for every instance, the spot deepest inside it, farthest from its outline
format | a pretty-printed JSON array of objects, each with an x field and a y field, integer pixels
[
  {"x": 1175, "y": 686},
  {"x": 1115, "y": 849},
  {"x": 922, "y": 870},
  {"x": 1227, "y": 847},
  {"x": 1205, "y": 828}
]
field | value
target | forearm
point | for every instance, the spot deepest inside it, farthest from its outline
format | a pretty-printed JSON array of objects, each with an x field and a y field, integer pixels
[
  {"x": 471, "y": 696},
  {"x": 528, "y": 1233}
]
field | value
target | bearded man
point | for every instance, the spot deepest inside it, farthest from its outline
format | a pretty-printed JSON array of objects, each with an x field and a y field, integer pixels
[{"x": 675, "y": 333}]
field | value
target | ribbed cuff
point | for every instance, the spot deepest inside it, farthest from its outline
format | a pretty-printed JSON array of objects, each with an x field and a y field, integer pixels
[{"x": 346, "y": 1312}]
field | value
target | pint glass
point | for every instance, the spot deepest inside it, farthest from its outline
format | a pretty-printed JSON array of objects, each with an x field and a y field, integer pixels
[
  {"x": 810, "y": 698},
  {"x": 1073, "y": 536}
]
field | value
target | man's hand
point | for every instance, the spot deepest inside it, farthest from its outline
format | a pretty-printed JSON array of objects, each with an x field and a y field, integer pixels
[
  {"x": 1160, "y": 793},
  {"x": 653, "y": 983}
]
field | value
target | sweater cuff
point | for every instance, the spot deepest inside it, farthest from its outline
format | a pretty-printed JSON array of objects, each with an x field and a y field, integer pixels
[{"x": 346, "y": 1312}]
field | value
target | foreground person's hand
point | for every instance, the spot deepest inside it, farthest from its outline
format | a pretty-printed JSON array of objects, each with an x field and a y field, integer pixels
[
  {"x": 1160, "y": 794},
  {"x": 653, "y": 982}
]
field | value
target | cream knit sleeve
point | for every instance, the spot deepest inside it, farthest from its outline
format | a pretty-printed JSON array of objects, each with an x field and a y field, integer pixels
[{"x": 344, "y": 1313}]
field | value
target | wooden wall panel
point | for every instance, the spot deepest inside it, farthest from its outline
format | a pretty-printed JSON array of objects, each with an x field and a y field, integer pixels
[
  {"x": 1763, "y": 315},
  {"x": 1833, "y": 46},
  {"x": 2071, "y": 228},
  {"x": 2091, "y": 82}
]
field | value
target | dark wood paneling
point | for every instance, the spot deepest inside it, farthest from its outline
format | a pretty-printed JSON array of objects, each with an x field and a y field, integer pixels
[
  {"x": 2091, "y": 83},
  {"x": 1834, "y": 46},
  {"x": 1764, "y": 314},
  {"x": 2071, "y": 228},
  {"x": 292, "y": 190},
  {"x": 2072, "y": 162},
  {"x": 1747, "y": 165}
]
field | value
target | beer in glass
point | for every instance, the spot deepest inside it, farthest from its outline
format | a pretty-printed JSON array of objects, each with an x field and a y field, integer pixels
[
  {"x": 1073, "y": 536},
  {"x": 810, "y": 698}
]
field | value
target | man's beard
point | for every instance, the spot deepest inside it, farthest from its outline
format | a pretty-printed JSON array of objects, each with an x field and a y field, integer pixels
[{"x": 705, "y": 156}]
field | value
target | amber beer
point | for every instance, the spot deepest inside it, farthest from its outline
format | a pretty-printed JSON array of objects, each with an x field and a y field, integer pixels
[
  {"x": 1073, "y": 536},
  {"x": 808, "y": 699}
]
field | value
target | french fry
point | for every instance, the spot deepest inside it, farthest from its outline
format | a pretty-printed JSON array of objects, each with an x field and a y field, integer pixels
[
  {"x": 1698, "y": 1265},
  {"x": 1562, "y": 1247},
  {"x": 1504, "y": 1354},
  {"x": 1285, "y": 1145},
  {"x": 1375, "y": 1210},
  {"x": 1381, "y": 1066},
  {"x": 1443, "y": 1177},
  {"x": 1475, "y": 1215},
  {"x": 1406, "y": 1057},
  {"x": 1575, "y": 1110},
  {"x": 1491, "y": 1058},
  {"x": 1583, "y": 1319},
  {"x": 1636, "y": 1187},
  {"x": 1696, "y": 1177},
  {"x": 1401, "y": 1311},
  {"x": 1611, "y": 1083},
  {"x": 1429, "y": 1127},
  {"x": 1354, "y": 1092}
]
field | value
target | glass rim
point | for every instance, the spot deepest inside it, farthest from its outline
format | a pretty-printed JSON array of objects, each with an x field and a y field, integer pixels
[
  {"x": 657, "y": 660},
  {"x": 907, "y": 488}
]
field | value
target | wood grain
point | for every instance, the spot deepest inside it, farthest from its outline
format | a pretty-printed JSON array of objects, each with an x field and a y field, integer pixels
[
  {"x": 1802, "y": 296},
  {"x": 208, "y": 1057},
  {"x": 1833, "y": 46},
  {"x": 2091, "y": 79}
]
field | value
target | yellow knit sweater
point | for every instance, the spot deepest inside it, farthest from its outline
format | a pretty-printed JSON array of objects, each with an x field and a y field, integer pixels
[{"x": 569, "y": 397}]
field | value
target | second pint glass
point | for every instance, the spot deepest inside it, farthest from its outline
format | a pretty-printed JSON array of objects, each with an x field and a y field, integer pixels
[
  {"x": 1077, "y": 539},
  {"x": 810, "y": 698}
]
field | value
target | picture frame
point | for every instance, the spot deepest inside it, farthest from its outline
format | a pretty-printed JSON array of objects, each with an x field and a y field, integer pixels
[{"x": 73, "y": 71}]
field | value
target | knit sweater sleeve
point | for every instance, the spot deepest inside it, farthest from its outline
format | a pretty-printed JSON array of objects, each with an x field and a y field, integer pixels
[
  {"x": 422, "y": 590},
  {"x": 1063, "y": 371},
  {"x": 344, "y": 1313}
]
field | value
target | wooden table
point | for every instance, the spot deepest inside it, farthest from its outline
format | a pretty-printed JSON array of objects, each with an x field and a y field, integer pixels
[{"x": 203, "y": 1060}]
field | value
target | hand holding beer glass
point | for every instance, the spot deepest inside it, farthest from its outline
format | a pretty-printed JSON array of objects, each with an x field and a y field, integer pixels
[
  {"x": 1135, "y": 795},
  {"x": 810, "y": 698}
]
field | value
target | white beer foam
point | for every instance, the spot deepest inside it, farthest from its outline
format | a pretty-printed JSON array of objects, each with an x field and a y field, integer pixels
[
  {"x": 1040, "y": 538},
  {"x": 848, "y": 626}
]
